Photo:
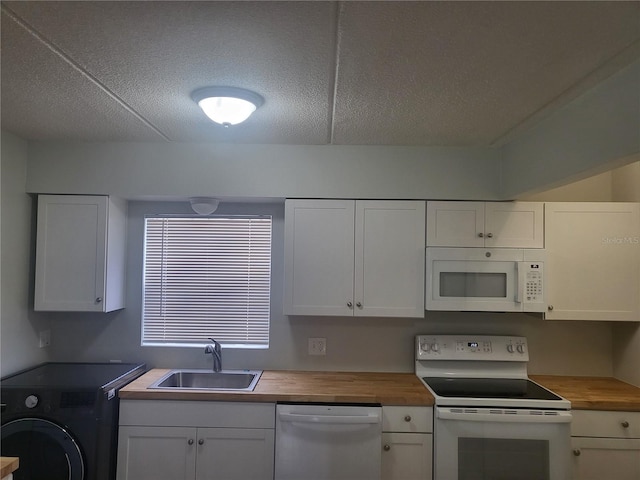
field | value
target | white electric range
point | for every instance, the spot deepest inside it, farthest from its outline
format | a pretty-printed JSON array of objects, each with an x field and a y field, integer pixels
[{"x": 491, "y": 422}]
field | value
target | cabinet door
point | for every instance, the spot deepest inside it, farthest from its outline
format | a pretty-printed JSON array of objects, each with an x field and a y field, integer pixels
[
  {"x": 235, "y": 454},
  {"x": 605, "y": 458},
  {"x": 71, "y": 253},
  {"x": 455, "y": 224},
  {"x": 406, "y": 456},
  {"x": 593, "y": 261},
  {"x": 389, "y": 258},
  {"x": 318, "y": 263},
  {"x": 156, "y": 453},
  {"x": 514, "y": 224}
]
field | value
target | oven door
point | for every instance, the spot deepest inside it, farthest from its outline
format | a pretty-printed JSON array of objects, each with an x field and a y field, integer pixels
[{"x": 501, "y": 444}]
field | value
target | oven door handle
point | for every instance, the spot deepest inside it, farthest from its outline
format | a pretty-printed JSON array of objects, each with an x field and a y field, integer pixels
[{"x": 451, "y": 414}]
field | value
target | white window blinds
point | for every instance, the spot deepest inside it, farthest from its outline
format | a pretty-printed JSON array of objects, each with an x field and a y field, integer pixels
[{"x": 207, "y": 277}]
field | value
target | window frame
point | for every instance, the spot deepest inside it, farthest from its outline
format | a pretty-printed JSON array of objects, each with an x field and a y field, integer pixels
[{"x": 150, "y": 342}]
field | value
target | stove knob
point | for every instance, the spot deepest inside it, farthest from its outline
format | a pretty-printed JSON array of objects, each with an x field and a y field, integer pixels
[
  {"x": 435, "y": 347},
  {"x": 510, "y": 348},
  {"x": 31, "y": 401},
  {"x": 425, "y": 347},
  {"x": 520, "y": 348}
]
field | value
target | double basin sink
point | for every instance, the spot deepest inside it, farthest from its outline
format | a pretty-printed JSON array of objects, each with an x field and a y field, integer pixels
[{"x": 225, "y": 380}]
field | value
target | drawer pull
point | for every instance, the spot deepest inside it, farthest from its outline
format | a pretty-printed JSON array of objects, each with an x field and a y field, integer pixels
[
  {"x": 577, "y": 452},
  {"x": 407, "y": 418},
  {"x": 625, "y": 424},
  {"x": 387, "y": 447}
]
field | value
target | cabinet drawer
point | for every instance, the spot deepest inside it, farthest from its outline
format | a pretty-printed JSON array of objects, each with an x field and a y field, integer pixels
[
  {"x": 407, "y": 419},
  {"x": 183, "y": 413},
  {"x": 592, "y": 423}
]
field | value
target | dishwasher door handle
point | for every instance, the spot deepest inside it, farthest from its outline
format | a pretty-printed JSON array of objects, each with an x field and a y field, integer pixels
[{"x": 329, "y": 419}]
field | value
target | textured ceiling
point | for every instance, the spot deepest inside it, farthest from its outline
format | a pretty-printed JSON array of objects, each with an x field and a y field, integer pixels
[{"x": 349, "y": 73}]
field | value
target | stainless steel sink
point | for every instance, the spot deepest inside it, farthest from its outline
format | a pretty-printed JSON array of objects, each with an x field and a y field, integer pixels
[{"x": 226, "y": 380}]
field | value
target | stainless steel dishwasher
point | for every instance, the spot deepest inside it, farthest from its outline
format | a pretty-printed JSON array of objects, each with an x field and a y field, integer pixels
[{"x": 328, "y": 442}]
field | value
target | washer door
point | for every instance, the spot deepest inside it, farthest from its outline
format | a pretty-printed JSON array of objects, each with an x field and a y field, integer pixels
[{"x": 46, "y": 450}]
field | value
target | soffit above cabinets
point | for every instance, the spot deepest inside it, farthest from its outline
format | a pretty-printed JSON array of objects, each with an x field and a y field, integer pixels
[{"x": 345, "y": 73}]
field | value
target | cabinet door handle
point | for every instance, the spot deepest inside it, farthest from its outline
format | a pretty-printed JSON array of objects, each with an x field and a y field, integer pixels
[
  {"x": 407, "y": 418},
  {"x": 359, "y": 304},
  {"x": 625, "y": 424},
  {"x": 489, "y": 235},
  {"x": 577, "y": 452},
  {"x": 387, "y": 447},
  {"x": 550, "y": 307},
  {"x": 349, "y": 304},
  {"x": 99, "y": 300},
  {"x": 190, "y": 441},
  {"x": 480, "y": 234},
  {"x": 201, "y": 441}
]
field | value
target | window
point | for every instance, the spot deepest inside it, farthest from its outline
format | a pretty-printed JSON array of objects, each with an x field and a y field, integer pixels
[{"x": 206, "y": 277}]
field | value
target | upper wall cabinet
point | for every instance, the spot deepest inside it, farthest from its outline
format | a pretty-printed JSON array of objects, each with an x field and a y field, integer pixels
[
  {"x": 80, "y": 253},
  {"x": 354, "y": 258},
  {"x": 485, "y": 224},
  {"x": 593, "y": 261}
]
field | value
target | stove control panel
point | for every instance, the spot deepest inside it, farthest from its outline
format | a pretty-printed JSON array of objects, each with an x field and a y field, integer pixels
[{"x": 471, "y": 347}]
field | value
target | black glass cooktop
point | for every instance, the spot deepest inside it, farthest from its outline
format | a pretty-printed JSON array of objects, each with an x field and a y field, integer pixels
[{"x": 489, "y": 388}]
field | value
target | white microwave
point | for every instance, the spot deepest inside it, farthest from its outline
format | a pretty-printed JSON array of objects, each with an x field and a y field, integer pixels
[{"x": 485, "y": 279}]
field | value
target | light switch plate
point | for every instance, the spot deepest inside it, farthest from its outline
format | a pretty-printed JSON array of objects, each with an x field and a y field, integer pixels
[{"x": 45, "y": 338}]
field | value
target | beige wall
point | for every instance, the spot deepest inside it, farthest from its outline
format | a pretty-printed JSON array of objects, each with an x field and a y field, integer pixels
[
  {"x": 19, "y": 329},
  {"x": 618, "y": 185},
  {"x": 626, "y": 337}
]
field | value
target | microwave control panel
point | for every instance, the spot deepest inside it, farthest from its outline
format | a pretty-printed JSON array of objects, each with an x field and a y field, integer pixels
[
  {"x": 533, "y": 283},
  {"x": 471, "y": 347}
]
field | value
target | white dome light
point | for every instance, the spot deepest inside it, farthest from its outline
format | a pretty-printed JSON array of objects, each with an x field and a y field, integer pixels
[
  {"x": 227, "y": 105},
  {"x": 204, "y": 205}
]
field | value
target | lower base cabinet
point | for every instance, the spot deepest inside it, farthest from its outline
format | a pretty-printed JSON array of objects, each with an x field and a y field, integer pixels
[
  {"x": 407, "y": 443},
  {"x": 606, "y": 445},
  {"x": 173, "y": 440}
]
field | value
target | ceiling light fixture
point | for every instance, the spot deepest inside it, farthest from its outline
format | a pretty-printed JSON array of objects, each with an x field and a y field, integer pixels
[
  {"x": 227, "y": 105},
  {"x": 204, "y": 205}
]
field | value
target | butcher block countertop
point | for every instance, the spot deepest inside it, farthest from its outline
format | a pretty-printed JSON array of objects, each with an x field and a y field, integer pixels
[
  {"x": 8, "y": 465},
  {"x": 296, "y": 386},
  {"x": 585, "y": 393},
  {"x": 593, "y": 393}
]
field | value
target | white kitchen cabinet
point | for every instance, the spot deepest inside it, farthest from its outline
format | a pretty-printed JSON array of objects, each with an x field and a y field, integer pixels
[
  {"x": 407, "y": 443},
  {"x": 593, "y": 261},
  {"x": 80, "y": 253},
  {"x": 354, "y": 258},
  {"x": 605, "y": 445},
  {"x": 176, "y": 440},
  {"x": 485, "y": 224}
]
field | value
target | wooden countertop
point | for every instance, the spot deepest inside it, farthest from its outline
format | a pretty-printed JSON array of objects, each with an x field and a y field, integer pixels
[
  {"x": 8, "y": 465},
  {"x": 300, "y": 386},
  {"x": 593, "y": 393},
  {"x": 584, "y": 393}
]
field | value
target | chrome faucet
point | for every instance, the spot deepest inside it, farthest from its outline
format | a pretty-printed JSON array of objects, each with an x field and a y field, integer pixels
[{"x": 216, "y": 352}]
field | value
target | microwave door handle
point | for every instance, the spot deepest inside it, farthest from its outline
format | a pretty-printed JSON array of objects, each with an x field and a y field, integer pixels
[{"x": 519, "y": 282}]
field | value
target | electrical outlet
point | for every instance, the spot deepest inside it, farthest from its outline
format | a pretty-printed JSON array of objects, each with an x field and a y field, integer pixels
[
  {"x": 317, "y": 346},
  {"x": 45, "y": 338}
]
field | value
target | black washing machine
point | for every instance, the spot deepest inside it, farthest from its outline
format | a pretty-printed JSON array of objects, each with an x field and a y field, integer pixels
[{"x": 61, "y": 419}]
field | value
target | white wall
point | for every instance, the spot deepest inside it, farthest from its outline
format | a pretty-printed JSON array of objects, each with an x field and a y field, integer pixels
[
  {"x": 175, "y": 170},
  {"x": 18, "y": 328},
  {"x": 594, "y": 133}
]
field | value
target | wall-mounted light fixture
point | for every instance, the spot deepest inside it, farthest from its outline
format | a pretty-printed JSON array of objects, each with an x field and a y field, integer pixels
[
  {"x": 227, "y": 105},
  {"x": 204, "y": 205}
]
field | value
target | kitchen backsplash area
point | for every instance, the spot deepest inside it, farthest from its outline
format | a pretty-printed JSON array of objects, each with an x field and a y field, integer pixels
[{"x": 352, "y": 344}]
